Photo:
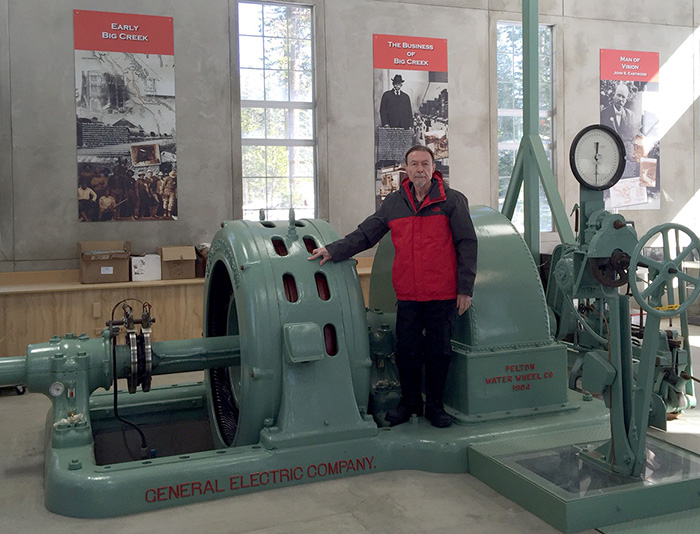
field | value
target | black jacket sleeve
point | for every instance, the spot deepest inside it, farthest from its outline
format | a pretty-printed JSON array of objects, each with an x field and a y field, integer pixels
[
  {"x": 464, "y": 238},
  {"x": 367, "y": 234}
]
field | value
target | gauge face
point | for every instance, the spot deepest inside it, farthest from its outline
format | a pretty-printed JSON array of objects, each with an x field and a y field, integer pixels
[
  {"x": 597, "y": 157},
  {"x": 56, "y": 389}
]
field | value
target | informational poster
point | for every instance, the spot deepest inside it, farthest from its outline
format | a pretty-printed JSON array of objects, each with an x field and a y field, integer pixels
[
  {"x": 410, "y": 95},
  {"x": 125, "y": 116},
  {"x": 629, "y": 104}
]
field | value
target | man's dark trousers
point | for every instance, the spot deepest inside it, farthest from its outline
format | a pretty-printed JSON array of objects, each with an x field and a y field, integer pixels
[{"x": 423, "y": 331}]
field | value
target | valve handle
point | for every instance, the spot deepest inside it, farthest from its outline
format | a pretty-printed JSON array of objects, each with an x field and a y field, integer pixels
[
  {"x": 663, "y": 275},
  {"x": 612, "y": 271}
]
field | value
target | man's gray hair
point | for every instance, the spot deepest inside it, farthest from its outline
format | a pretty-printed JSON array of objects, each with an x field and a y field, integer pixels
[{"x": 419, "y": 148}]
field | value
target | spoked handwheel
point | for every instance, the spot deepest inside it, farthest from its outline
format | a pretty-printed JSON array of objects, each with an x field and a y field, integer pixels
[{"x": 655, "y": 278}]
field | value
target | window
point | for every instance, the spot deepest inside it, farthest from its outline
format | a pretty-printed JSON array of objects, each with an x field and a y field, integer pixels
[
  {"x": 510, "y": 110},
  {"x": 278, "y": 134}
]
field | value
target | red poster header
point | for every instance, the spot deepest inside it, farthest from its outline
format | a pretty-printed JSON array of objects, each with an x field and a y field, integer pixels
[
  {"x": 123, "y": 32},
  {"x": 410, "y": 53},
  {"x": 627, "y": 65}
]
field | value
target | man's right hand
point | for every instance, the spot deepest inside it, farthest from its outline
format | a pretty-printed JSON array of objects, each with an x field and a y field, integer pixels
[{"x": 321, "y": 253}]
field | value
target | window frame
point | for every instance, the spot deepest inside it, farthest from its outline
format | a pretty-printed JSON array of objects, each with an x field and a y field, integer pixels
[
  {"x": 318, "y": 105},
  {"x": 555, "y": 115}
]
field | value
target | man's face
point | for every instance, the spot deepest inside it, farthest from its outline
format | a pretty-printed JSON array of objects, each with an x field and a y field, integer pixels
[
  {"x": 420, "y": 167},
  {"x": 621, "y": 94},
  {"x": 397, "y": 86}
]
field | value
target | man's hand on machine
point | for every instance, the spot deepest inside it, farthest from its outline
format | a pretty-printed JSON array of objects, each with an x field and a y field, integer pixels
[
  {"x": 321, "y": 253},
  {"x": 463, "y": 303}
]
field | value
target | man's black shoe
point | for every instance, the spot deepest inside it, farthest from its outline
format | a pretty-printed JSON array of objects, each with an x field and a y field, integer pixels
[
  {"x": 402, "y": 414},
  {"x": 438, "y": 416}
]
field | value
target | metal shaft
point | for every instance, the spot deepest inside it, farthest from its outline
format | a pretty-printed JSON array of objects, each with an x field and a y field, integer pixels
[
  {"x": 47, "y": 362},
  {"x": 13, "y": 371},
  {"x": 195, "y": 354}
]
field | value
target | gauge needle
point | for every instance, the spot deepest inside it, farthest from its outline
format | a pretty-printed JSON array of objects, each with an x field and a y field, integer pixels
[{"x": 597, "y": 145}]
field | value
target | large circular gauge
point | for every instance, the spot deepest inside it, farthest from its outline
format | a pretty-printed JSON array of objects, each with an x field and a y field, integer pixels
[{"x": 597, "y": 157}]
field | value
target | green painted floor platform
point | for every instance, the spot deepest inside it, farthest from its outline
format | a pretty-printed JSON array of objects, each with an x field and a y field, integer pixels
[{"x": 406, "y": 500}]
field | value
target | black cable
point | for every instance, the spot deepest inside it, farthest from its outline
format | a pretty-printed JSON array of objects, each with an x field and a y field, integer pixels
[
  {"x": 127, "y": 447},
  {"x": 113, "y": 337}
]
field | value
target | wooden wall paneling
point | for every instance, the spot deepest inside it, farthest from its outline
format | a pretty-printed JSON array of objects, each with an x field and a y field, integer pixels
[{"x": 35, "y": 317}]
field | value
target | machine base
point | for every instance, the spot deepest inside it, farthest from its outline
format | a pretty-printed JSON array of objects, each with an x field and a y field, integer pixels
[
  {"x": 521, "y": 458},
  {"x": 572, "y": 494}
]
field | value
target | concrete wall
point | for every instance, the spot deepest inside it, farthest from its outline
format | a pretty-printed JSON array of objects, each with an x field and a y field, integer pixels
[
  {"x": 39, "y": 227},
  {"x": 38, "y": 223}
]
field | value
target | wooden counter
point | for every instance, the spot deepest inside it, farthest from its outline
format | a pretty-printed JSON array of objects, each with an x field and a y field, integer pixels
[
  {"x": 364, "y": 271},
  {"x": 34, "y": 306},
  {"x": 37, "y": 305}
]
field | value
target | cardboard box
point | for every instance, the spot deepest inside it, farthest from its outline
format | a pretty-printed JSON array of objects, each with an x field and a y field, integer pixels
[
  {"x": 177, "y": 262},
  {"x": 145, "y": 267},
  {"x": 104, "y": 261}
]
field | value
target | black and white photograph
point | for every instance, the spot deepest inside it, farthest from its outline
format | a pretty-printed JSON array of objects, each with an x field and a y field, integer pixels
[
  {"x": 411, "y": 108},
  {"x": 125, "y": 119}
]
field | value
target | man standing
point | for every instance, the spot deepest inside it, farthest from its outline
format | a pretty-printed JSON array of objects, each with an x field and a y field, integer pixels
[
  {"x": 170, "y": 195},
  {"x": 395, "y": 108},
  {"x": 108, "y": 206},
  {"x": 433, "y": 275},
  {"x": 87, "y": 201},
  {"x": 144, "y": 196}
]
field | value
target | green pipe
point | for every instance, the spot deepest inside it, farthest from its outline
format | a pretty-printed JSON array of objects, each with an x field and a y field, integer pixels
[{"x": 13, "y": 371}]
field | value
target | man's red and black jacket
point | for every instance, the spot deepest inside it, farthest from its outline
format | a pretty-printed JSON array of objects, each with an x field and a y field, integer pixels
[{"x": 435, "y": 242}]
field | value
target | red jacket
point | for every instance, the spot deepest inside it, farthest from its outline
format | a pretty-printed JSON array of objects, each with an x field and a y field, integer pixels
[{"x": 435, "y": 242}]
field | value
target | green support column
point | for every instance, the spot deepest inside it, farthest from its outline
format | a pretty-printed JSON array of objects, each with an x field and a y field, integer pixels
[
  {"x": 531, "y": 107},
  {"x": 531, "y": 161},
  {"x": 516, "y": 179}
]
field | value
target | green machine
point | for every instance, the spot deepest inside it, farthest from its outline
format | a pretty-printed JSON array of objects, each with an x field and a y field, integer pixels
[
  {"x": 298, "y": 376},
  {"x": 551, "y": 392},
  {"x": 639, "y": 372}
]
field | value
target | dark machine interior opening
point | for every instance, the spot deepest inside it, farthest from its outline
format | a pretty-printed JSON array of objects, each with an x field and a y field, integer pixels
[{"x": 225, "y": 382}]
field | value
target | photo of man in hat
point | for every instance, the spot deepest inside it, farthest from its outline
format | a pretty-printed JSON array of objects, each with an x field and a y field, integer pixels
[{"x": 395, "y": 108}]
